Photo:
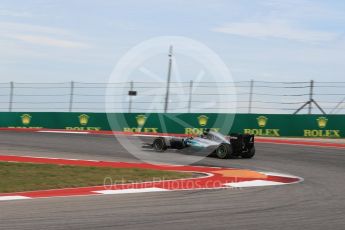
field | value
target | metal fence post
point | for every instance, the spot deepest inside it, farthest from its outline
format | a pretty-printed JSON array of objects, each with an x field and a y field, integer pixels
[
  {"x": 337, "y": 106},
  {"x": 10, "y": 106},
  {"x": 168, "y": 80},
  {"x": 250, "y": 96},
  {"x": 130, "y": 98},
  {"x": 311, "y": 96},
  {"x": 190, "y": 95},
  {"x": 71, "y": 97}
]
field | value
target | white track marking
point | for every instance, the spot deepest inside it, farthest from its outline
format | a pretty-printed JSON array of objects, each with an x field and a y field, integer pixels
[
  {"x": 3, "y": 198},
  {"x": 58, "y": 131},
  {"x": 125, "y": 191},
  {"x": 148, "y": 135},
  {"x": 253, "y": 183},
  {"x": 278, "y": 174}
]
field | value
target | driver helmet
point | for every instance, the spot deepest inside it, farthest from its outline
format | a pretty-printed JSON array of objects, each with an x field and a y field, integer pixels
[{"x": 205, "y": 132}]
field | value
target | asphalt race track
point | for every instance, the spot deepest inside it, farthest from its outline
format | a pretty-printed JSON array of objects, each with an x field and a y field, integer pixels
[{"x": 316, "y": 203}]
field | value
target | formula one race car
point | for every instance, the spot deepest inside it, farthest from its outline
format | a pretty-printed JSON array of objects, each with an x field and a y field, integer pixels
[{"x": 238, "y": 145}]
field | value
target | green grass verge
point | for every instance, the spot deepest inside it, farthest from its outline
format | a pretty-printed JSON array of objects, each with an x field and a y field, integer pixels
[{"x": 18, "y": 177}]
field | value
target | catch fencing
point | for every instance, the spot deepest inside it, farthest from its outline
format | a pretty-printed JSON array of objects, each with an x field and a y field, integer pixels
[{"x": 184, "y": 97}]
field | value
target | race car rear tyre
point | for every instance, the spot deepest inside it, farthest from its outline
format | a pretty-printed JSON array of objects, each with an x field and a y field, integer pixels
[
  {"x": 159, "y": 144},
  {"x": 249, "y": 154},
  {"x": 224, "y": 151}
]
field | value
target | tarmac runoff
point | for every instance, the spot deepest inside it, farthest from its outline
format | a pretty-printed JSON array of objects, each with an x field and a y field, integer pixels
[{"x": 327, "y": 143}]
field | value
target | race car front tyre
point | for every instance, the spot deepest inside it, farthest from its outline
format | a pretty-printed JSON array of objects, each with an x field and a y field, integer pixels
[
  {"x": 224, "y": 151},
  {"x": 249, "y": 154},
  {"x": 159, "y": 144}
]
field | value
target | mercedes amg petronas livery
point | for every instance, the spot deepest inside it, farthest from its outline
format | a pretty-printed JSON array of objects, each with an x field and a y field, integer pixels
[{"x": 237, "y": 145}]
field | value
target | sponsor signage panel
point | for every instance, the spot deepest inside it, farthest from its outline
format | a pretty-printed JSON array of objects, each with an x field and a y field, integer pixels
[{"x": 272, "y": 125}]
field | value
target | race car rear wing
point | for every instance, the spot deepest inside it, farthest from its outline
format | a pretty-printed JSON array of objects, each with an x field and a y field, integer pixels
[{"x": 241, "y": 142}]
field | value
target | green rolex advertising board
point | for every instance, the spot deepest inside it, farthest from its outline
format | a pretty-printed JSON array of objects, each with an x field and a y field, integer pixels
[{"x": 273, "y": 125}]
